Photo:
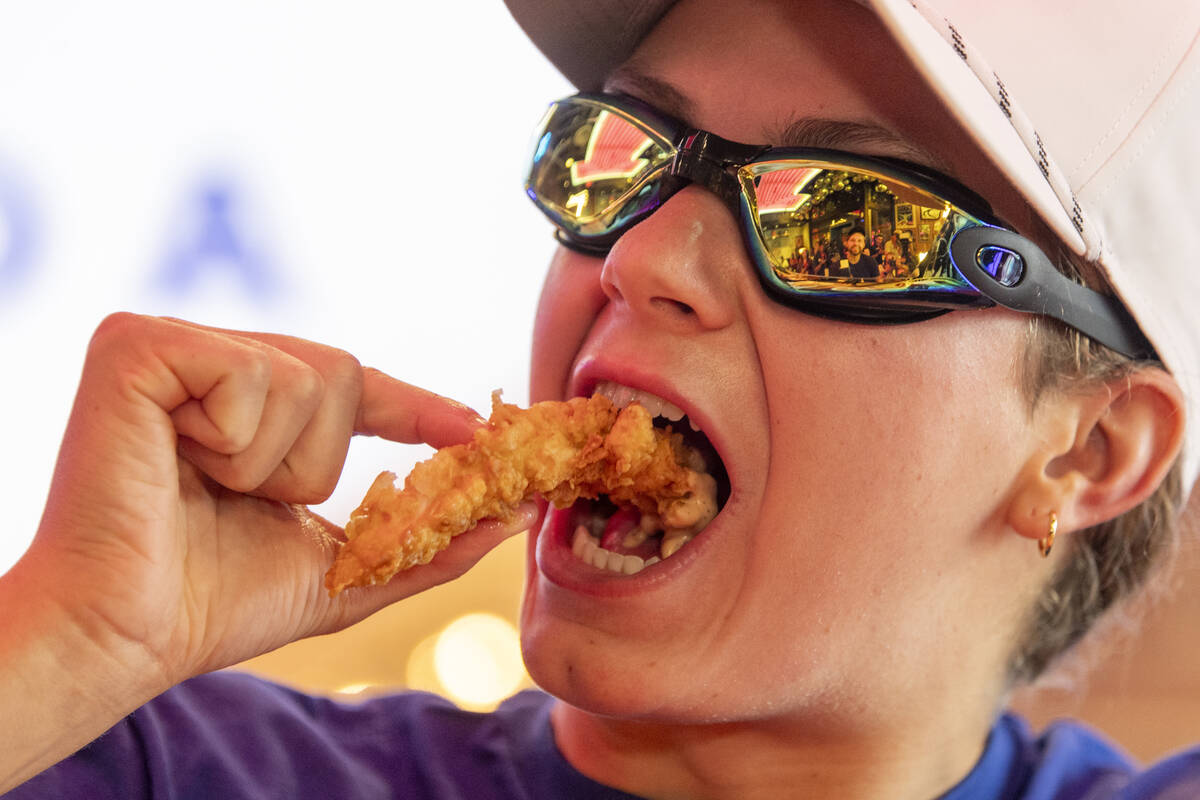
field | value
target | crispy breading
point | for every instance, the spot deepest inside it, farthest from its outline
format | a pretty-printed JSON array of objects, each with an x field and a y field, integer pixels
[{"x": 583, "y": 447}]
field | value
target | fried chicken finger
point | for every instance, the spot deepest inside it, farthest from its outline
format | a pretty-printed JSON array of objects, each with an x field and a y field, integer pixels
[{"x": 583, "y": 447}]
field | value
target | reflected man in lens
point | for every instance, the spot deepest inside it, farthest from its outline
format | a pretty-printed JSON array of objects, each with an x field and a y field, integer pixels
[{"x": 860, "y": 264}]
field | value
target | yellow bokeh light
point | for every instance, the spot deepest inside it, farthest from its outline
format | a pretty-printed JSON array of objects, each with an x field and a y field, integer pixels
[
  {"x": 419, "y": 673},
  {"x": 354, "y": 688},
  {"x": 477, "y": 660}
]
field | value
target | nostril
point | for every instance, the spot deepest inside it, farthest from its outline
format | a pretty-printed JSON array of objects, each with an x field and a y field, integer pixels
[
  {"x": 610, "y": 289},
  {"x": 667, "y": 304}
]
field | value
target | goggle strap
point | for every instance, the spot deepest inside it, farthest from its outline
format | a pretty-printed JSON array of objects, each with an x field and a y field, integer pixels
[
  {"x": 1042, "y": 289},
  {"x": 579, "y": 246}
]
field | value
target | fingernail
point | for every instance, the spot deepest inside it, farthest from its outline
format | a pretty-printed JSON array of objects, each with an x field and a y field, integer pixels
[{"x": 525, "y": 516}]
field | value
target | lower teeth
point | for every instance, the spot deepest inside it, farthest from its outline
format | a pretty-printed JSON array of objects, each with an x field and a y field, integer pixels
[
  {"x": 588, "y": 550},
  {"x": 677, "y": 521}
]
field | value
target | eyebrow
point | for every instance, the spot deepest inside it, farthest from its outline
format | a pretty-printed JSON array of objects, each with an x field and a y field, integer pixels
[
  {"x": 834, "y": 134},
  {"x": 822, "y": 132},
  {"x": 664, "y": 96}
]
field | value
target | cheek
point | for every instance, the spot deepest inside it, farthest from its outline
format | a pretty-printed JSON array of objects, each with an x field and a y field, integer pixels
[
  {"x": 905, "y": 428},
  {"x": 570, "y": 300},
  {"x": 893, "y": 452}
]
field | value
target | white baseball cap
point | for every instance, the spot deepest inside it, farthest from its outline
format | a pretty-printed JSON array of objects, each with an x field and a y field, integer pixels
[{"x": 1092, "y": 109}]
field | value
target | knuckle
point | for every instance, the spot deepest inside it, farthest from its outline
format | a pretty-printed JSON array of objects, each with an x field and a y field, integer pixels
[
  {"x": 345, "y": 371},
  {"x": 225, "y": 470},
  {"x": 244, "y": 473},
  {"x": 314, "y": 481},
  {"x": 289, "y": 485},
  {"x": 256, "y": 365},
  {"x": 236, "y": 482},
  {"x": 293, "y": 489},
  {"x": 308, "y": 386},
  {"x": 232, "y": 440},
  {"x": 243, "y": 479},
  {"x": 321, "y": 488},
  {"x": 308, "y": 495},
  {"x": 116, "y": 328}
]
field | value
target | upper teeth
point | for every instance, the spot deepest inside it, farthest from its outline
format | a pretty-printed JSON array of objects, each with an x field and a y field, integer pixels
[{"x": 622, "y": 395}]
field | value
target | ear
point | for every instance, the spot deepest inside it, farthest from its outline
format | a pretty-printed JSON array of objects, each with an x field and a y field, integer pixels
[{"x": 1102, "y": 451}]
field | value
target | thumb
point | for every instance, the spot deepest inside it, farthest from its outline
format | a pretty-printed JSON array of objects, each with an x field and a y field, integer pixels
[{"x": 401, "y": 412}]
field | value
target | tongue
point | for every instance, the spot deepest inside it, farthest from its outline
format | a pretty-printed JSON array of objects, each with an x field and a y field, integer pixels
[{"x": 619, "y": 524}]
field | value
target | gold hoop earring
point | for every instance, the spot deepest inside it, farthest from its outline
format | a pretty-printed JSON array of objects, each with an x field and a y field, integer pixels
[{"x": 1044, "y": 544}]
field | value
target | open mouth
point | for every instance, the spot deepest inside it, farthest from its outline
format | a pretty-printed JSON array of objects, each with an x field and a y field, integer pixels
[{"x": 625, "y": 540}]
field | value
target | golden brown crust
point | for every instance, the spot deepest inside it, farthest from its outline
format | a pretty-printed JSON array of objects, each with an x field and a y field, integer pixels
[{"x": 563, "y": 451}]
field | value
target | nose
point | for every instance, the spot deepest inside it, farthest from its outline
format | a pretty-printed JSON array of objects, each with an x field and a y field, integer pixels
[{"x": 684, "y": 265}]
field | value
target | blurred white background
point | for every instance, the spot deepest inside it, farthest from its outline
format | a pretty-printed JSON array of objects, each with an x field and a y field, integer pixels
[{"x": 347, "y": 172}]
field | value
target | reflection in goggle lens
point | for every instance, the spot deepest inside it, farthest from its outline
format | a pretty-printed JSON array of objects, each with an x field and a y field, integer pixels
[
  {"x": 594, "y": 169},
  {"x": 819, "y": 224}
]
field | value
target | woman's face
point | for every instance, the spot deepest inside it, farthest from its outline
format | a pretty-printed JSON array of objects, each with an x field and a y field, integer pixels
[{"x": 861, "y": 561}]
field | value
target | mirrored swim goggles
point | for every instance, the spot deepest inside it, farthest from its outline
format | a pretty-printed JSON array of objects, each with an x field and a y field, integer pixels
[{"x": 603, "y": 163}]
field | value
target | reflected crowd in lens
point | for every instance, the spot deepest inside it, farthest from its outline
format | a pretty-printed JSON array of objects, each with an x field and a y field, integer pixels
[{"x": 854, "y": 227}]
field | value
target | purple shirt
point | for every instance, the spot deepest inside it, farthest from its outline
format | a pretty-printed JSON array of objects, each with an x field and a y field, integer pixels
[{"x": 230, "y": 735}]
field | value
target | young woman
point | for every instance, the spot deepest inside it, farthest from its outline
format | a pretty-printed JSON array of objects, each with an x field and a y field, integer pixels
[{"x": 847, "y": 636}]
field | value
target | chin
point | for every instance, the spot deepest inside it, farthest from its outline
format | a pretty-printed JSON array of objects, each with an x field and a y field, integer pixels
[
  {"x": 587, "y": 680},
  {"x": 589, "y": 671},
  {"x": 578, "y": 664},
  {"x": 592, "y": 669}
]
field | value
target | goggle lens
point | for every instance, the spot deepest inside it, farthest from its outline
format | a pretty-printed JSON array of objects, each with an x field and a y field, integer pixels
[
  {"x": 798, "y": 212},
  {"x": 796, "y": 206},
  {"x": 594, "y": 170}
]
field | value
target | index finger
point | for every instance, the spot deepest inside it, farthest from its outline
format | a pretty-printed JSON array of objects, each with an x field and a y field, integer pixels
[{"x": 401, "y": 412}]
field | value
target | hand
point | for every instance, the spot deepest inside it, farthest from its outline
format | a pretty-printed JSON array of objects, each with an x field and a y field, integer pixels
[{"x": 170, "y": 542}]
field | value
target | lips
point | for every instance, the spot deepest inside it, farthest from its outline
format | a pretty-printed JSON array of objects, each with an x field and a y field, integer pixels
[{"x": 616, "y": 542}]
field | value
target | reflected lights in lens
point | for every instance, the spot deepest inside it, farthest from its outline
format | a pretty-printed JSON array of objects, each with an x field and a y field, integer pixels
[
  {"x": 578, "y": 202},
  {"x": 782, "y": 189},
  {"x": 614, "y": 150}
]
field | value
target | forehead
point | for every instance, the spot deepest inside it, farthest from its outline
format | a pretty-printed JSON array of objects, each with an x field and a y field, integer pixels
[{"x": 819, "y": 73}]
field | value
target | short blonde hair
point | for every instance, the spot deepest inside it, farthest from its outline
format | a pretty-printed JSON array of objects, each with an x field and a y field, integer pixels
[{"x": 1109, "y": 562}]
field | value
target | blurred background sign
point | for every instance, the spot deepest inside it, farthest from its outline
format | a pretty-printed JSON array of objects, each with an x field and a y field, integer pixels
[
  {"x": 215, "y": 235},
  {"x": 18, "y": 231}
]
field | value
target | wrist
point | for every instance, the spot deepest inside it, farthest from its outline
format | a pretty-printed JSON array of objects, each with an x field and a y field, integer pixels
[{"x": 60, "y": 686}]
